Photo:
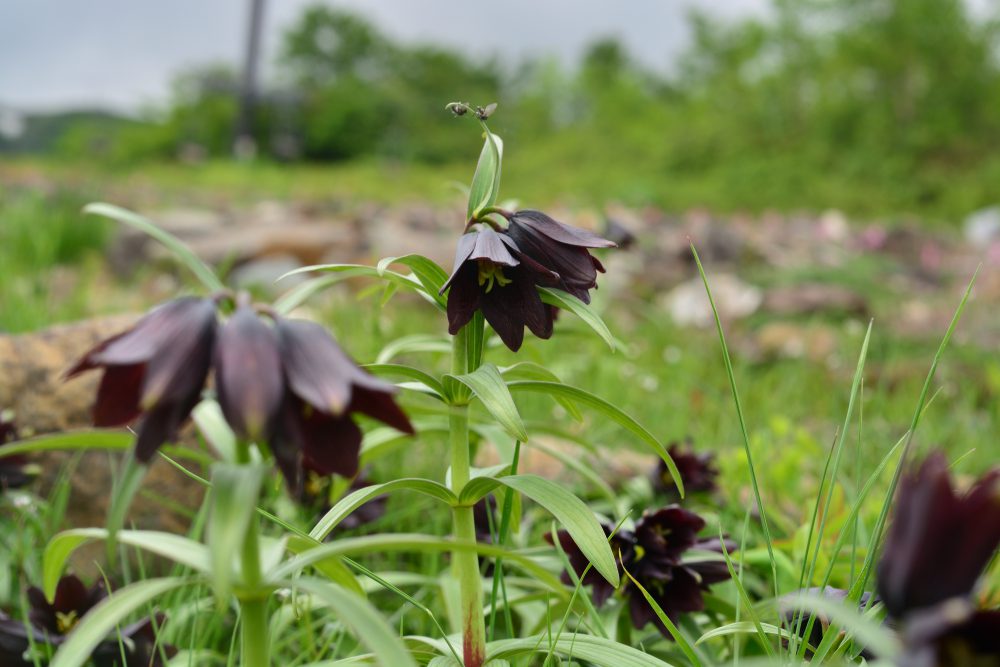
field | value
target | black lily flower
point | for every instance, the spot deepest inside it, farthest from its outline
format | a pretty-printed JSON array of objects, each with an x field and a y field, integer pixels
[
  {"x": 50, "y": 624},
  {"x": 323, "y": 387},
  {"x": 156, "y": 369},
  {"x": 654, "y": 554},
  {"x": 560, "y": 248},
  {"x": 15, "y": 471},
  {"x": 493, "y": 275},
  {"x": 935, "y": 550},
  {"x": 661, "y": 539},
  {"x": 939, "y": 541},
  {"x": 698, "y": 471}
]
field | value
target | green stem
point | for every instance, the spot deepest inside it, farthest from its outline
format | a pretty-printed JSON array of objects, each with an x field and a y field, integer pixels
[
  {"x": 253, "y": 603},
  {"x": 465, "y": 564}
]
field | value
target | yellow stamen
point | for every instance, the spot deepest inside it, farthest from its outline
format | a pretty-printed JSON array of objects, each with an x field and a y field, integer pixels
[
  {"x": 490, "y": 273},
  {"x": 66, "y": 621}
]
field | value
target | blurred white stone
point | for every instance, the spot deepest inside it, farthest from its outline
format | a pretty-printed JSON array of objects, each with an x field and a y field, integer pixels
[
  {"x": 688, "y": 303},
  {"x": 983, "y": 226}
]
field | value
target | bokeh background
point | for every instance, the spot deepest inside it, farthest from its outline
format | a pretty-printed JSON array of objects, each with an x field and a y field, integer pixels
[{"x": 873, "y": 107}]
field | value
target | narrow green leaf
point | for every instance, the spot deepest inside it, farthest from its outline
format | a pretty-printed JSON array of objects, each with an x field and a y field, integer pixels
[
  {"x": 557, "y": 389},
  {"x": 728, "y": 362},
  {"x": 411, "y": 283},
  {"x": 489, "y": 387},
  {"x": 332, "y": 568},
  {"x": 98, "y": 623},
  {"x": 235, "y": 489},
  {"x": 570, "y": 511},
  {"x": 486, "y": 181},
  {"x": 121, "y": 499},
  {"x": 411, "y": 344},
  {"x": 177, "y": 247},
  {"x": 597, "y": 650},
  {"x": 356, "y": 499},
  {"x": 361, "y": 618},
  {"x": 430, "y": 275},
  {"x": 565, "y": 301},
  {"x": 399, "y": 370},
  {"x": 679, "y": 638},
  {"x": 528, "y": 370},
  {"x": 299, "y": 294},
  {"x": 213, "y": 426},
  {"x": 176, "y": 548},
  {"x": 377, "y": 544},
  {"x": 743, "y": 628},
  {"x": 72, "y": 441}
]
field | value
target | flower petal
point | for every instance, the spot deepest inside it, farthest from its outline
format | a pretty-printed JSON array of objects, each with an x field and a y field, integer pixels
[
  {"x": 180, "y": 364},
  {"x": 118, "y": 395},
  {"x": 248, "y": 374},
  {"x": 139, "y": 343},
  {"x": 464, "y": 298},
  {"x": 491, "y": 247},
  {"x": 557, "y": 231},
  {"x": 317, "y": 370},
  {"x": 466, "y": 244},
  {"x": 380, "y": 405}
]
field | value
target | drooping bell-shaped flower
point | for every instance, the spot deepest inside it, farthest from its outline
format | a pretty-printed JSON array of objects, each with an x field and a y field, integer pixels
[
  {"x": 323, "y": 388},
  {"x": 491, "y": 274},
  {"x": 937, "y": 547},
  {"x": 939, "y": 541},
  {"x": 156, "y": 369},
  {"x": 560, "y": 248}
]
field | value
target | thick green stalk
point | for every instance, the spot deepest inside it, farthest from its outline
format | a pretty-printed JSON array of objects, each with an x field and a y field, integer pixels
[
  {"x": 465, "y": 564},
  {"x": 253, "y": 603}
]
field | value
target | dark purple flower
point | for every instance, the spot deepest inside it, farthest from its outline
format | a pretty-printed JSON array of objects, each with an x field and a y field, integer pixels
[
  {"x": 49, "y": 623},
  {"x": 491, "y": 274},
  {"x": 15, "y": 471},
  {"x": 156, "y": 369},
  {"x": 654, "y": 554},
  {"x": 661, "y": 539},
  {"x": 560, "y": 248},
  {"x": 323, "y": 388},
  {"x": 939, "y": 541},
  {"x": 935, "y": 550},
  {"x": 698, "y": 471}
]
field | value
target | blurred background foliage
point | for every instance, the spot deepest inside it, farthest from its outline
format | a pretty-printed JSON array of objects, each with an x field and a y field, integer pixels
[{"x": 871, "y": 106}]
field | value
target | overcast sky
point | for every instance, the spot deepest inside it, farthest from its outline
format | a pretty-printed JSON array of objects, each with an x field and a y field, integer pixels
[{"x": 123, "y": 53}]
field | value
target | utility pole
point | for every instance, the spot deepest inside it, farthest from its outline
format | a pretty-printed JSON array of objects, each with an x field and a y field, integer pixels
[{"x": 244, "y": 144}]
